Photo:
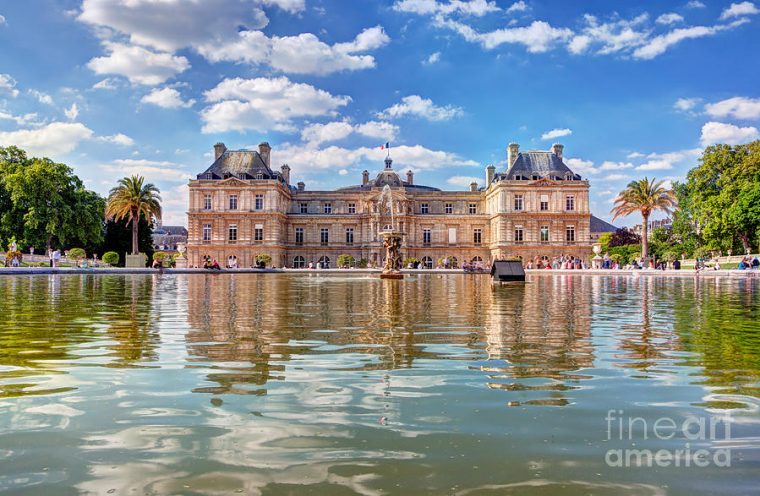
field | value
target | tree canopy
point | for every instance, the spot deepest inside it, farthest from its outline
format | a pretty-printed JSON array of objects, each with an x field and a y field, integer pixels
[{"x": 133, "y": 199}]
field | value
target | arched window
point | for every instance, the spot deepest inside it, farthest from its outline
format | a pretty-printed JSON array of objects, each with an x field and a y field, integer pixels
[
  {"x": 476, "y": 259},
  {"x": 427, "y": 262},
  {"x": 325, "y": 262},
  {"x": 387, "y": 227},
  {"x": 299, "y": 262}
]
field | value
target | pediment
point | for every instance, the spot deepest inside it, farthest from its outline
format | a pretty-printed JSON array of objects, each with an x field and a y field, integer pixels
[
  {"x": 544, "y": 181},
  {"x": 233, "y": 180}
]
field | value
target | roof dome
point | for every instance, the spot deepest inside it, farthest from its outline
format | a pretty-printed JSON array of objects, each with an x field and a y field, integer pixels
[{"x": 388, "y": 177}]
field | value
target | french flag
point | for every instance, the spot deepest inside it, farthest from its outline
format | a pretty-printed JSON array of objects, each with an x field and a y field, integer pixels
[{"x": 386, "y": 146}]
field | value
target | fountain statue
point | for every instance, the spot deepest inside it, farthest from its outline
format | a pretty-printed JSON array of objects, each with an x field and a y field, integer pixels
[{"x": 391, "y": 238}]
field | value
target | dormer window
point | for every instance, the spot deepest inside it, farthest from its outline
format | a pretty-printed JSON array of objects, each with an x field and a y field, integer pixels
[
  {"x": 241, "y": 175},
  {"x": 568, "y": 177},
  {"x": 259, "y": 176},
  {"x": 209, "y": 176},
  {"x": 536, "y": 177}
]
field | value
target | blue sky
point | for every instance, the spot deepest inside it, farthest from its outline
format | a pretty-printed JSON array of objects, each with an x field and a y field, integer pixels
[{"x": 113, "y": 87}]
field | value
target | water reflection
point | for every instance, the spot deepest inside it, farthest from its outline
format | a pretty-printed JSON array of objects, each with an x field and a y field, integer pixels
[{"x": 265, "y": 384}]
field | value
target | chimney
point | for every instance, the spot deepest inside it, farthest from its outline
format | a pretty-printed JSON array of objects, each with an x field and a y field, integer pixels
[
  {"x": 512, "y": 152},
  {"x": 490, "y": 174},
  {"x": 219, "y": 150},
  {"x": 473, "y": 186},
  {"x": 409, "y": 177},
  {"x": 365, "y": 178},
  {"x": 301, "y": 186},
  {"x": 286, "y": 173},
  {"x": 264, "y": 150},
  {"x": 557, "y": 150}
]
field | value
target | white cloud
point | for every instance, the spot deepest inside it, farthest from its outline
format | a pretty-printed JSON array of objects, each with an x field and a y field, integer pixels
[
  {"x": 635, "y": 155},
  {"x": 72, "y": 112},
  {"x": 166, "y": 98},
  {"x": 537, "y": 37},
  {"x": 262, "y": 104},
  {"x": 463, "y": 181},
  {"x": 720, "y": 133},
  {"x": 117, "y": 139},
  {"x": 615, "y": 177},
  {"x": 343, "y": 172},
  {"x": 580, "y": 166},
  {"x": 655, "y": 165},
  {"x": 316, "y": 134},
  {"x": 29, "y": 119},
  {"x": 51, "y": 140},
  {"x": 619, "y": 35},
  {"x": 8, "y": 85},
  {"x": 415, "y": 105},
  {"x": 519, "y": 6},
  {"x": 432, "y": 59},
  {"x": 174, "y": 204},
  {"x": 42, "y": 97},
  {"x": 378, "y": 129},
  {"x": 301, "y": 54},
  {"x": 737, "y": 107},
  {"x": 152, "y": 170},
  {"x": 3, "y": 22},
  {"x": 659, "y": 44},
  {"x": 669, "y": 18},
  {"x": 686, "y": 104},
  {"x": 138, "y": 64},
  {"x": 292, "y": 6},
  {"x": 105, "y": 84},
  {"x": 475, "y": 8},
  {"x": 556, "y": 133},
  {"x": 608, "y": 165},
  {"x": 695, "y": 4},
  {"x": 739, "y": 9}
]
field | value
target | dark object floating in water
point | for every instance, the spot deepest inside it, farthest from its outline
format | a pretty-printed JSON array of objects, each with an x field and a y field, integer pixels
[{"x": 507, "y": 271}]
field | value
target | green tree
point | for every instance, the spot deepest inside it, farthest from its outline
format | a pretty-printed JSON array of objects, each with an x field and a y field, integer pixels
[
  {"x": 345, "y": 261},
  {"x": 643, "y": 196},
  {"x": 111, "y": 258},
  {"x": 264, "y": 259},
  {"x": 132, "y": 199},
  {"x": 118, "y": 238}
]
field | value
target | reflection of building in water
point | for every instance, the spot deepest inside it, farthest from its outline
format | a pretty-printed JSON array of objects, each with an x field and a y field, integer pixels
[
  {"x": 267, "y": 320},
  {"x": 540, "y": 330}
]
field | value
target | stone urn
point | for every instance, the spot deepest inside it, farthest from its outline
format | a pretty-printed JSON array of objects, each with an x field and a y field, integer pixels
[
  {"x": 596, "y": 262},
  {"x": 180, "y": 261},
  {"x": 392, "y": 245}
]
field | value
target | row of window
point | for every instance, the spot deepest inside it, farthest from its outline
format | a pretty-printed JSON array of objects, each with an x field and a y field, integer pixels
[
  {"x": 232, "y": 202},
  {"x": 519, "y": 234},
  {"x": 519, "y": 203}
]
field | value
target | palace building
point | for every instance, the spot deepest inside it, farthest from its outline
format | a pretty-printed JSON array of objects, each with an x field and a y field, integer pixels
[{"x": 241, "y": 207}]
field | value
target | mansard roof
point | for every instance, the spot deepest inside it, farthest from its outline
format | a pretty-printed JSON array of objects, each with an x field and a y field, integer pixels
[
  {"x": 539, "y": 163},
  {"x": 244, "y": 164},
  {"x": 599, "y": 225}
]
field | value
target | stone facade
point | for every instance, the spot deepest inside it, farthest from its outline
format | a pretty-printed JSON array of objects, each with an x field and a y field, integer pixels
[{"x": 240, "y": 207}]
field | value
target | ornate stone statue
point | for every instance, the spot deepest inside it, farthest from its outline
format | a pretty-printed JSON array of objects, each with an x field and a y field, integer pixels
[{"x": 391, "y": 237}]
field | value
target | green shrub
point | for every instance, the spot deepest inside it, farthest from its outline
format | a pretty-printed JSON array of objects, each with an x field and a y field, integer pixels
[
  {"x": 345, "y": 261},
  {"x": 160, "y": 256},
  {"x": 111, "y": 258},
  {"x": 362, "y": 263},
  {"x": 264, "y": 259},
  {"x": 77, "y": 254},
  {"x": 411, "y": 260}
]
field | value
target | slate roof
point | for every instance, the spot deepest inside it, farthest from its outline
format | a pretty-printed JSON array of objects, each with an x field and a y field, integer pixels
[
  {"x": 539, "y": 163},
  {"x": 599, "y": 225},
  {"x": 244, "y": 164},
  {"x": 171, "y": 230}
]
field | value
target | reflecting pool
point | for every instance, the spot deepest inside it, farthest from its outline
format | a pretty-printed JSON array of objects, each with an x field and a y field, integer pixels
[{"x": 327, "y": 384}]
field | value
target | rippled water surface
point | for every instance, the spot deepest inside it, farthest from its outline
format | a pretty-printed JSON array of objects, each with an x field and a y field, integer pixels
[{"x": 326, "y": 384}]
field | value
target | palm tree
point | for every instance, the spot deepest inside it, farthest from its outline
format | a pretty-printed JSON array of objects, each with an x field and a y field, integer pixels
[
  {"x": 644, "y": 196},
  {"x": 133, "y": 199}
]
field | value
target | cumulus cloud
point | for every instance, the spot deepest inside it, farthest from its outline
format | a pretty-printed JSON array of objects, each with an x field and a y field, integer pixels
[
  {"x": 660, "y": 44},
  {"x": 463, "y": 181},
  {"x": 8, "y": 85},
  {"x": 301, "y": 54},
  {"x": 695, "y": 4},
  {"x": 29, "y": 119},
  {"x": 669, "y": 18},
  {"x": 739, "y": 10},
  {"x": 3, "y": 22},
  {"x": 105, "y": 84},
  {"x": 477, "y": 8},
  {"x": 415, "y": 105},
  {"x": 517, "y": 7},
  {"x": 378, "y": 129},
  {"x": 721, "y": 133},
  {"x": 580, "y": 166},
  {"x": 138, "y": 64},
  {"x": 42, "y": 97},
  {"x": 432, "y": 59},
  {"x": 72, "y": 112},
  {"x": 51, "y": 140},
  {"x": 166, "y": 98},
  {"x": 686, "y": 104},
  {"x": 608, "y": 165},
  {"x": 321, "y": 133},
  {"x": 262, "y": 104},
  {"x": 737, "y": 107},
  {"x": 152, "y": 170},
  {"x": 556, "y": 133},
  {"x": 537, "y": 37},
  {"x": 117, "y": 139}
]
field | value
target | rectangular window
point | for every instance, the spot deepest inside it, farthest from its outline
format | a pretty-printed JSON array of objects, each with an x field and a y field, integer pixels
[
  {"x": 299, "y": 235},
  {"x": 449, "y": 208},
  {"x": 349, "y": 235},
  {"x": 324, "y": 236},
  {"x": 258, "y": 232},
  {"x": 477, "y": 236},
  {"x": 519, "y": 234},
  {"x": 328, "y": 208},
  {"x": 518, "y": 202},
  {"x": 424, "y": 208},
  {"x": 259, "y": 202},
  {"x": 544, "y": 203},
  {"x": 206, "y": 202},
  {"x": 544, "y": 234},
  {"x": 473, "y": 208},
  {"x": 304, "y": 208},
  {"x": 452, "y": 235},
  {"x": 352, "y": 208},
  {"x": 233, "y": 202},
  {"x": 569, "y": 203},
  {"x": 427, "y": 235},
  {"x": 206, "y": 232},
  {"x": 232, "y": 232},
  {"x": 570, "y": 234}
]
